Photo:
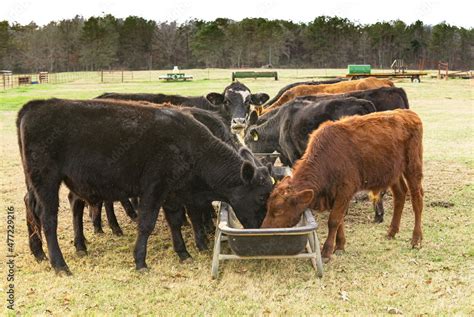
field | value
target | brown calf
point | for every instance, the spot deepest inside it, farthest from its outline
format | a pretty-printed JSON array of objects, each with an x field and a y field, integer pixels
[
  {"x": 370, "y": 152},
  {"x": 337, "y": 88}
]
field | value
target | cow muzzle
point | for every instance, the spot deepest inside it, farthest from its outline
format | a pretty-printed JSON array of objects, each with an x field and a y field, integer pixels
[{"x": 238, "y": 124}]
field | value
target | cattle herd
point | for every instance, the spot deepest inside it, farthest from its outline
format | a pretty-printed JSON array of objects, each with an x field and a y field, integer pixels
[{"x": 179, "y": 154}]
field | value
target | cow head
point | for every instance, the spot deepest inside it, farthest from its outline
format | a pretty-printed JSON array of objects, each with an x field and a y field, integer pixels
[
  {"x": 235, "y": 104},
  {"x": 286, "y": 205},
  {"x": 249, "y": 198}
]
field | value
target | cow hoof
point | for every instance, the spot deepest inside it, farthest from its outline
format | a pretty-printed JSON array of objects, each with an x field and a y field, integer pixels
[
  {"x": 135, "y": 219},
  {"x": 143, "y": 270},
  {"x": 98, "y": 231},
  {"x": 184, "y": 256},
  {"x": 63, "y": 271},
  {"x": 416, "y": 243},
  {"x": 187, "y": 260},
  {"x": 40, "y": 257},
  {"x": 118, "y": 232},
  {"x": 391, "y": 233},
  {"x": 202, "y": 246},
  {"x": 339, "y": 252},
  {"x": 81, "y": 253},
  {"x": 378, "y": 219}
]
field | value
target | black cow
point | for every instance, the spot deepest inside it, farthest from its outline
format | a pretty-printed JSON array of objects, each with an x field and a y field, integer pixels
[
  {"x": 198, "y": 207},
  {"x": 287, "y": 131},
  {"x": 83, "y": 144},
  {"x": 233, "y": 104}
]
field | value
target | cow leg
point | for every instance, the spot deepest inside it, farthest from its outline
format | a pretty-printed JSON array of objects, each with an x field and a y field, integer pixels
[
  {"x": 416, "y": 195},
  {"x": 77, "y": 207},
  {"x": 175, "y": 218},
  {"x": 399, "y": 191},
  {"x": 378, "y": 208},
  {"x": 336, "y": 217},
  {"x": 34, "y": 227},
  {"x": 207, "y": 215},
  {"x": 95, "y": 211},
  {"x": 112, "y": 219},
  {"x": 148, "y": 210},
  {"x": 129, "y": 209},
  {"x": 195, "y": 212},
  {"x": 340, "y": 239},
  {"x": 48, "y": 197}
]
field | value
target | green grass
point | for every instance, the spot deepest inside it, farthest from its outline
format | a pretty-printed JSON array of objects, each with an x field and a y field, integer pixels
[{"x": 377, "y": 274}]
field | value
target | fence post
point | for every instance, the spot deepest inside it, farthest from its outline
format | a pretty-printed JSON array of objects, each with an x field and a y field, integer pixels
[
  {"x": 122, "y": 76},
  {"x": 102, "y": 76}
]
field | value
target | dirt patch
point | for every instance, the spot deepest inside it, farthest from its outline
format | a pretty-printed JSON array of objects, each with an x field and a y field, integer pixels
[{"x": 440, "y": 203}]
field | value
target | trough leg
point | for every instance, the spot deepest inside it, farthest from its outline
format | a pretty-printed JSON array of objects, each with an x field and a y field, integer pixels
[
  {"x": 216, "y": 253},
  {"x": 317, "y": 250}
]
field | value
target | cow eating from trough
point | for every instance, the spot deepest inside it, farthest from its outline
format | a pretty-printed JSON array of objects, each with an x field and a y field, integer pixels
[
  {"x": 234, "y": 104},
  {"x": 77, "y": 143},
  {"x": 373, "y": 152}
]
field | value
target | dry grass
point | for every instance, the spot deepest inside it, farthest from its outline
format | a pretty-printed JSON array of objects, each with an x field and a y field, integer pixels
[{"x": 376, "y": 274}]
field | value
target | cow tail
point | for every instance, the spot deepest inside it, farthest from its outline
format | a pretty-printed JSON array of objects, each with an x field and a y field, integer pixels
[{"x": 404, "y": 97}]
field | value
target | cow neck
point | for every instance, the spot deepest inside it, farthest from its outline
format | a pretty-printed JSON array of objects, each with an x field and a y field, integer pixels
[
  {"x": 220, "y": 166},
  {"x": 269, "y": 130},
  {"x": 309, "y": 172}
]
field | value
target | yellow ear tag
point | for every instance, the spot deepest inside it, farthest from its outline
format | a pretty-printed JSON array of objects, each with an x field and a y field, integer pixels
[
  {"x": 273, "y": 180},
  {"x": 255, "y": 137}
]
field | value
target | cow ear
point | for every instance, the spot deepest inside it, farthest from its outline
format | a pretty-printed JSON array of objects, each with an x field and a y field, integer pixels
[
  {"x": 253, "y": 117},
  {"x": 259, "y": 99},
  {"x": 215, "y": 98},
  {"x": 247, "y": 172},
  {"x": 304, "y": 197}
]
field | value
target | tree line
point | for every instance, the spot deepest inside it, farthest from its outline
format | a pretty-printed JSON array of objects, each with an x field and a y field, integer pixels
[{"x": 107, "y": 42}]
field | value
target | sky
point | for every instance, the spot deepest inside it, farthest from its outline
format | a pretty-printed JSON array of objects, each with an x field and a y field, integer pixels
[{"x": 455, "y": 12}]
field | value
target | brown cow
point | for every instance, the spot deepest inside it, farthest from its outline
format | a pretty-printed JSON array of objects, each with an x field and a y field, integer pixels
[
  {"x": 370, "y": 152},
  {"x": 337, "y": 88}
]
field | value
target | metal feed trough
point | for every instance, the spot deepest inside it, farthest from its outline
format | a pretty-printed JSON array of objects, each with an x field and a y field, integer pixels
[{"x": 298, "y": 242}]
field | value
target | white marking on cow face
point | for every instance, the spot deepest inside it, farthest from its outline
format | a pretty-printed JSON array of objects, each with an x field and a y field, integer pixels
[{"x": 243, "y": 93}]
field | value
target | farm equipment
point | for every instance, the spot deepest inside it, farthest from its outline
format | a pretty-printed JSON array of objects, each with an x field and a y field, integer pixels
[
  {"x": 176, "y": 77},
  {"x": 254, "y": 75},
  {"x": 399, "y": 71}
]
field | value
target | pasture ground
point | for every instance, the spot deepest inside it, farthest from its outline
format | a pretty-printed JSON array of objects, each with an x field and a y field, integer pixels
[{"x": 374, "y": 276}]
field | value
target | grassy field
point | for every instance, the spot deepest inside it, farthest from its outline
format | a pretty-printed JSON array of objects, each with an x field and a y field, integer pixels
[{"x": 374, "y": 276}]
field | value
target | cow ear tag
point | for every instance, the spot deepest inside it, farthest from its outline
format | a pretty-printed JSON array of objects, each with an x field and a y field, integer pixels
[
  {"x": 273, "y": 180},
  {"x": 255, "y": 136}
]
